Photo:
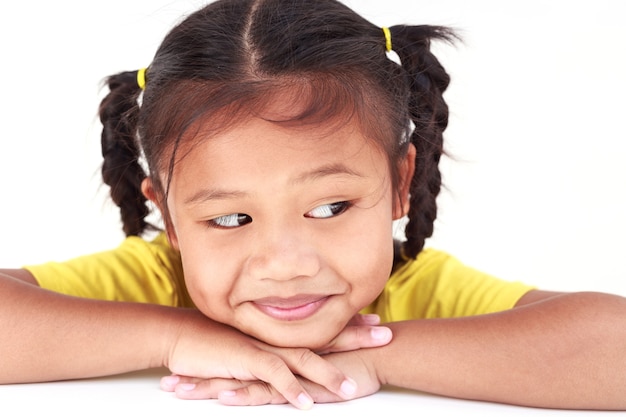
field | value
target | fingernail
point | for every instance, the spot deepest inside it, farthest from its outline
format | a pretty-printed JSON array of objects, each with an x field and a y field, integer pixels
[
  {"x": 371, "y": 319},
  {"x": 170, "y": 381},
  {"x": 186, "y": 387},
  {"x": 227, "y": 394},
  {"x": 305, "y": 401},
  {"x": 380, "y": 333},
  {"x": 348, "y": 387}
]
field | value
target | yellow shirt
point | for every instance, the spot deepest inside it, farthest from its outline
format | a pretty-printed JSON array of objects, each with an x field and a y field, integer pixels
[
  {"x": 137, "y": 270},
  {"x": 433, "y": 285},
  {"x": 437, "y": 285}
]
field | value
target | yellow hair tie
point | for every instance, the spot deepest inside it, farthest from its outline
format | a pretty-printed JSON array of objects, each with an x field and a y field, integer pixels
[
  {"x": 141, "y": 78},
  {"x": 387, "y": 33}
]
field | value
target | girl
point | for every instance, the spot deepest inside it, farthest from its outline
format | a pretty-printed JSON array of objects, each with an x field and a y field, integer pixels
[{"x": 281, "y": 143}]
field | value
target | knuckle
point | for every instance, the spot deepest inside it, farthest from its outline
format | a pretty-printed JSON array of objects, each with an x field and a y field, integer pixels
[
  {"x": 317, "y": 369},
  {"x": 277, "y": 382},
  {"x": 263, "y": 393},
  {"x": 272, "y": 364},
  {"x": 304, "y": 357}
]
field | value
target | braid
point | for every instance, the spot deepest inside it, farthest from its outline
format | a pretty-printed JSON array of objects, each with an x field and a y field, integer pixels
[
  {"x": 121, "y": 170},
  {"x": 429, "y": 114}
]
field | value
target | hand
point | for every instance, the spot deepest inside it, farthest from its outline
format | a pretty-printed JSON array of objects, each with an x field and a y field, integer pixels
[
  {"x": 202, "y": 348},
  {"x": 361, "y": 332},
  {"x": 235, "y": 392}
]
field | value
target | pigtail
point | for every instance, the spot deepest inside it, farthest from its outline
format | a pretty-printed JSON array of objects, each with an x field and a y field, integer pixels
[
  {"x": 121, "y": 170},
  {"x": 429, "y": 113}
]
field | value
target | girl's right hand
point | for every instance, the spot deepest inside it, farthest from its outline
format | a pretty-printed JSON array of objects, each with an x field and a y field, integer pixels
[{"x": 206, "y": 351}]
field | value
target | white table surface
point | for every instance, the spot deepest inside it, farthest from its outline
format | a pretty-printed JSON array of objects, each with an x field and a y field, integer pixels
[{"x": 138, "y": 394}]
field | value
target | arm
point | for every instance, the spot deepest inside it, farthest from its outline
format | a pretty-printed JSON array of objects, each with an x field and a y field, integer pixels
[
  {"x": 54, "y": 336},
  {"x": 554, "y": 350},
  {"x": 19, "y": 274},
  {"x": 561, "y": 351},
  {"x": 51, "y": 333}
]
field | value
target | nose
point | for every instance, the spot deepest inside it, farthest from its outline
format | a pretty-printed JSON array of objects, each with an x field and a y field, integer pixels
[{"x": 282, "y": 253}]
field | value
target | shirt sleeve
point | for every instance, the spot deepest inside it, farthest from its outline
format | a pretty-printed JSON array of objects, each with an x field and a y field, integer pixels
[
  {"x": 136, "y": 271},
  {"x": 437, "y": 285}
]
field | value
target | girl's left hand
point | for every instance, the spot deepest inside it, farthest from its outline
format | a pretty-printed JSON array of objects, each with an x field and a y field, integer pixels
[
  {"x": 362, "y": 332},
  {"x": 236, "y": 392}
]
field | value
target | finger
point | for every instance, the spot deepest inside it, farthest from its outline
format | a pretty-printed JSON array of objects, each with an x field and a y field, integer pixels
[
  {"x": 168, "y": 383},
  {"x": 274, "y": 370},
  {"x": 364, "y": 319},
  {"x": 320, "y": 371},
  {"x": 259, "y": 393},
  {"x": 204, "y": 389},
  {"x": 358, "y": 337},
  {"x": 256, "y": 393}
]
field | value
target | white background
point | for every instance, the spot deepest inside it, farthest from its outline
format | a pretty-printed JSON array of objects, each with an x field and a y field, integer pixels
[{"x": 536, "y": 189}]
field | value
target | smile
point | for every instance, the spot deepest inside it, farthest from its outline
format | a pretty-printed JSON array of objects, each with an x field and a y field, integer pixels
[{"x": 290, "y": 309}]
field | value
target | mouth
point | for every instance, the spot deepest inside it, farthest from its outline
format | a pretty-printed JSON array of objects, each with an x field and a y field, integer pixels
[{"x": 293, "y": 308}]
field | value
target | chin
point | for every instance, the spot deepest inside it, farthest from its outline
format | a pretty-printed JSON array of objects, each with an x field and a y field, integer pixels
[{"x": 297, "y": 340}]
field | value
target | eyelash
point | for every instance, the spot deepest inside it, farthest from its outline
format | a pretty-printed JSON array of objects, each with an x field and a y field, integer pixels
[
  {"x": 218, "y": 222},
  {"x": 329, "y": 211},
  {"x": 332, "y": 209}
]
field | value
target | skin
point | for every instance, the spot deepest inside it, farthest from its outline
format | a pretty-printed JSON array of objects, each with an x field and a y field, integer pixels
[
  {"x": 132, "y": 336},
  {"x": 259, "y": 235},
  {"x": 57, "y": 337},
  {"x": 551, "y": 350}
]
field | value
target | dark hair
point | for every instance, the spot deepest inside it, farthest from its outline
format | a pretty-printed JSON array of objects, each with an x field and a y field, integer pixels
[{"x": 236, "y": 55}]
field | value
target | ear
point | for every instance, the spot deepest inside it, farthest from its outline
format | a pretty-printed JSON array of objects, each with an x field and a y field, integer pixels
[
  {"x": 406, "y": 168},
  {"x": 148, "y": 190}
]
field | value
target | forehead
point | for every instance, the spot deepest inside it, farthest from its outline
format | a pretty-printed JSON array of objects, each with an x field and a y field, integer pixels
[
  {"x": 294, "y": 107},
  {"x": 257, "y": 150},
  {"x": 338, "y": 138}
]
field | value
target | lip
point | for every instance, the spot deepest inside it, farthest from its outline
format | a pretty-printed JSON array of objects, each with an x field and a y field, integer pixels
[{"x": 292, "y": 308}]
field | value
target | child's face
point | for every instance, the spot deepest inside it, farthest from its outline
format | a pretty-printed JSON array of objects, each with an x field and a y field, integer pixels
[{"x": 284, "y": 233}]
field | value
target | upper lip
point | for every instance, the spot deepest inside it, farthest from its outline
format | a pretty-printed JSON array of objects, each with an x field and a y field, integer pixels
[{"x": 290, "y": 302}]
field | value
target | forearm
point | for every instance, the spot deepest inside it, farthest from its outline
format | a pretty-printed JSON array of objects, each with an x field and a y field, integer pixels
[
  {"x": 48, "y": 336},
  {"x": 565, "y": 352}
]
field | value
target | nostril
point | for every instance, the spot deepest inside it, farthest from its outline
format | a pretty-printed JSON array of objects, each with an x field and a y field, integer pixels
[{"x": 283, "y": 263}]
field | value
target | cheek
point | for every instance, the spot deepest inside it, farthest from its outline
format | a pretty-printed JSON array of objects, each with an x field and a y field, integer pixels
[
  {"x": 208, "y": 282},
  {"x": 368, "y": 261},
  {"x": 371, "y": 276}
]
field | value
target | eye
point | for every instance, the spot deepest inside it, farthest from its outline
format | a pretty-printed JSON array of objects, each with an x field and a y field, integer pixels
[
  {"x": 329, "y": 210},
  {"x": 230, "y": 221}
]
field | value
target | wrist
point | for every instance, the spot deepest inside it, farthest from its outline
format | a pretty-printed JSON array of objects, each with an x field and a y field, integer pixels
[
  {"x": 169, "y": 325},
  {"x": 184, "y": 330}
]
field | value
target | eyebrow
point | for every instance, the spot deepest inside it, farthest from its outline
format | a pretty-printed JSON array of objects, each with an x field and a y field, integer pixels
[
  {"x": 326, "y": 171},
  {"x": 210, "y": 194}
]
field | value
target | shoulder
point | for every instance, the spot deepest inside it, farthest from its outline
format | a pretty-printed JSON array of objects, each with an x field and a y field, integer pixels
[
  {"x": 437, "y": 284},
  {"x": 156, "y": 250},
  {"x": 429, "y": 263},
  {"x": 140, "y": 270}
]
